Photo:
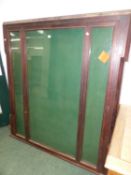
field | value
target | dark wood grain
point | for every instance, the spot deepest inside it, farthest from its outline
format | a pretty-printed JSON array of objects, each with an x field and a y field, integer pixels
[
  {"x": 128, "y": 43},
  {"x": 62, "y": 22},
  {"x": 82, "y": 106},
  {"x": 117, "y": 98}
]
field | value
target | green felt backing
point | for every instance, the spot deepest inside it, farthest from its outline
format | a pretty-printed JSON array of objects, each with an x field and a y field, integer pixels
[
  {"x": 17, "y": 76},
  {"x": 101, "y": 39},
  {"x": 54, "y": 73}
]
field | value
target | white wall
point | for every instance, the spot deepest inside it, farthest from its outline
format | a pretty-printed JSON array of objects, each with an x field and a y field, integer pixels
[{"x": 28, "y": 9}]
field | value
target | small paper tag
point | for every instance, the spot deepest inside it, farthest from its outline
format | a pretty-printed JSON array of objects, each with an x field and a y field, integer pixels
[
  {"x": 0, "y": 110},
  {"x": 0, "y": 71},
  {"x": 104, "y": 57}
]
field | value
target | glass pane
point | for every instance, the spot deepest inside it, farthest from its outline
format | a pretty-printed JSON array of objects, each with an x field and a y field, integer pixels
[
  {"x": 54, "y": 73},
  {"x": 17, "y": 76},
  {"x": 101, "y": 40}
]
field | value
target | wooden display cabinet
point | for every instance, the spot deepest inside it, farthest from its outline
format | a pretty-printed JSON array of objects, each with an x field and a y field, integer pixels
[{"x": 64, "y": 78}]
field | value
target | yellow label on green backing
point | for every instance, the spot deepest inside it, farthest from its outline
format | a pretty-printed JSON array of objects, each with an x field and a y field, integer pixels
[{"x": 104, "y": 57}]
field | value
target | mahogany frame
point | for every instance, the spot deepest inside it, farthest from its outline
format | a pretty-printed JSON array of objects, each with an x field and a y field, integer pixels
[{"x": 120, "y": 51}]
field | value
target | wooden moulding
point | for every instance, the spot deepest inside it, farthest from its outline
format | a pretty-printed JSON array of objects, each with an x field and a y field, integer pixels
[{"x": 120, "y": 50}]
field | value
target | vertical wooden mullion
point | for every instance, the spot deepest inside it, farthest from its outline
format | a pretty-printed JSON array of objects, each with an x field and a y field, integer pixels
[
  {"x": 83, "y": 92},
  {"x": 25, "y": 83}
]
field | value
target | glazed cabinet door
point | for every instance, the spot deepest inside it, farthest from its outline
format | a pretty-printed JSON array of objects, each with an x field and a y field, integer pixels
[
  {"x": 17, "y": 83},
  {"x": 101, "y": 39},
  {"x": 54, "y": 59}
]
